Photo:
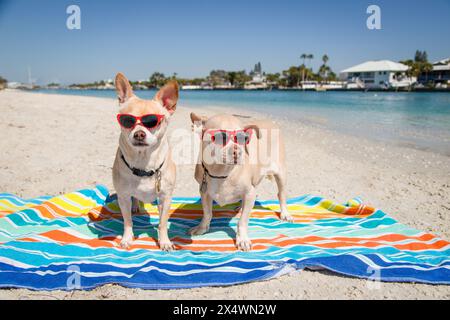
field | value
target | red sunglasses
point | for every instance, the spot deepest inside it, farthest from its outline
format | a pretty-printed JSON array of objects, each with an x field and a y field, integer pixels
[
  {"x": 129, "y": 121},
  {"x": 223, "y": 137}
]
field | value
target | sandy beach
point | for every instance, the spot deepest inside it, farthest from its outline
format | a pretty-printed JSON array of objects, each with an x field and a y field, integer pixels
[{"x": 53, "y": 144}]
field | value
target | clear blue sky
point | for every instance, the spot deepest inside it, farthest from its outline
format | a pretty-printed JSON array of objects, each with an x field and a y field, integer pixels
[{"x": 192, "y": 37}]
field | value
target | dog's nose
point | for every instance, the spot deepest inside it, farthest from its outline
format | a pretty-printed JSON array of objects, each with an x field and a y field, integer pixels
[
  {"x": 237, "y": 154},
  {"x": 139, "y": 135}
]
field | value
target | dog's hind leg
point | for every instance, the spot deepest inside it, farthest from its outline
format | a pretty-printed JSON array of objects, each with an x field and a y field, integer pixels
[{"x": 280, "y": 178}]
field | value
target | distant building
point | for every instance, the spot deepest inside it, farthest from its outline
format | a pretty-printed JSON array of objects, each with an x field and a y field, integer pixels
[
  {"x": 106, "y": 86},
  {"x": 381, "y": 74},
  {"x": 18, "y": 85},
  {"x": 440, "y": 75},
  {"x": 258, "y": 81},
  {"x": 191, "y": 87}
]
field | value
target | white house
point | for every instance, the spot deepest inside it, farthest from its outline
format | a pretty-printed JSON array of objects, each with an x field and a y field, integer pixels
[
  {"x": 382, "y": 74},
  {"x": 258, "y": 81},
  {"x": 440, "y": 75}
]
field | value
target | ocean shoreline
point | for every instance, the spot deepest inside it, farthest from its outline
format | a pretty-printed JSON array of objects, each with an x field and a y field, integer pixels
[
  {"x": 417, "y": 138},
  {"x": 400, "y": 90}
]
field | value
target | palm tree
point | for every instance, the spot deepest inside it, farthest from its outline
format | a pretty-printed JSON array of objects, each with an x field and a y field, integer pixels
[
  {"x": 419, "y": 65},
  {"x": 304, "y": 56},
  {"x": 309, "y": 57},
  {"x": 324, "y": 69},
  {"x": 157, "y": 79}
]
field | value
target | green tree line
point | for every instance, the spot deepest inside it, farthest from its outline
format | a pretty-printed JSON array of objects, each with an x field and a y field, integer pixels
[{"x": 291, "y": 77}]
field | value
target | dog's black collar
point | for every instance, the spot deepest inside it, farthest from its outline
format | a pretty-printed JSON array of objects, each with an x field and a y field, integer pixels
[
  {"x": 210, "y": 175},
  {"x": 140, "y": 172}
]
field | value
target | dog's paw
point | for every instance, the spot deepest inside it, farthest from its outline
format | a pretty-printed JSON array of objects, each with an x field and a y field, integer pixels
[
  {"x": 166, "y": 245},
  {"x": 243, "y": 243},
  {"x": 286, "y": 217},
  {"x": 198, "y": 230},
  {"x": 126, "y": 242}
]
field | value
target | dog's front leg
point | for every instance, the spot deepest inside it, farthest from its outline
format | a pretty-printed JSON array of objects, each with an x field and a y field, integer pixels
[
  {"x": 203, "y": 227},
  {"x": 164, "y": 242},
  {"x": 125, "y": 208},
  {"x": 134, "y": 205},
  {"x": 243, "y": 242}
]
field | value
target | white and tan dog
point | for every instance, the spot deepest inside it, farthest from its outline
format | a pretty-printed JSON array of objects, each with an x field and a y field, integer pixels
[
  {"x": 143, "y": 169},
  {"x": 233, "y": 161}
]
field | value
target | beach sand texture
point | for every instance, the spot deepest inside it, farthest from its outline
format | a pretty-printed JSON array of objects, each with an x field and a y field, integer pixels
[{"x": 53, "y": 144}]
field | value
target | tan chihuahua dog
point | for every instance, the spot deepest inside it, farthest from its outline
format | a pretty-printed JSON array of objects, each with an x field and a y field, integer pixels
[
  {"x": 231, "y": 165},
  {"x": 143, "y": 169}
]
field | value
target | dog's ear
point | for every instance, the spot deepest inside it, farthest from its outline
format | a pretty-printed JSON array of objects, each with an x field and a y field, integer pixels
[
  {"x": 197, "y": 119},
  {"x": 123, "y": 88},
  {"x": 255, "y": 128},
  {"x": 257, "y": 132},
  {"x": 198, "y": 122},
  {"x": 168, "y": 96}
]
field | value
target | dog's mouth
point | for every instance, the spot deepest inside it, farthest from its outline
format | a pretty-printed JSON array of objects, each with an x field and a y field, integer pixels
[{"x": 140, "y": 144}]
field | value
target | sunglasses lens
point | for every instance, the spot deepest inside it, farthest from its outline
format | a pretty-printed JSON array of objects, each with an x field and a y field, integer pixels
[
  {"x": 220, "y": 138},
  {"x": 242, "y": 138},
  {"x": 150, "y": 121},
  {"x": 127, "y": 121}
]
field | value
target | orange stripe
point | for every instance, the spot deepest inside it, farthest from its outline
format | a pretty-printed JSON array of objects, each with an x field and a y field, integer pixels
[
  {"x": 5, "y": 213},
  {"x": 64, "y": 237},
  {"x": 229, "y": 244},
  {"x": 365, "y": 210},
  {"x": 422, "y": 246}
]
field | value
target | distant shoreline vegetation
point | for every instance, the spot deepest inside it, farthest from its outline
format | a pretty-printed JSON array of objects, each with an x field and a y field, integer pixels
[{"x": 418, "y": 70}]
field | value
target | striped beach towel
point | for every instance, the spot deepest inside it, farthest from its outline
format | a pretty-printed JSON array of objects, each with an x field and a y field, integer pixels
[{"x": 71, "y": 242}]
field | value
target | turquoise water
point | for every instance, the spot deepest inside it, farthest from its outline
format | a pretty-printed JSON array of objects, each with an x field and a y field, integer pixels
[{"x": 420, "y": 120}]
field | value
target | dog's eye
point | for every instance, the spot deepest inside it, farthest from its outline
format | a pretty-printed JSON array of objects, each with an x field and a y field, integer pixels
[
  {"x": 127, "y": 121},
  {"x": 220, "y": 138},
  {"x": 242, "y": 137}
]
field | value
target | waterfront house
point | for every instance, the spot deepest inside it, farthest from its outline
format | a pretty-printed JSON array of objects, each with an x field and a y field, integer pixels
[
  {"x": 439, "y": 76},
  {"x": 19, "y": 85},
  {"x": 191, "y": 87},
  {"x": 259, "y": 80},
  {"x": 382, "y": 74}
]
